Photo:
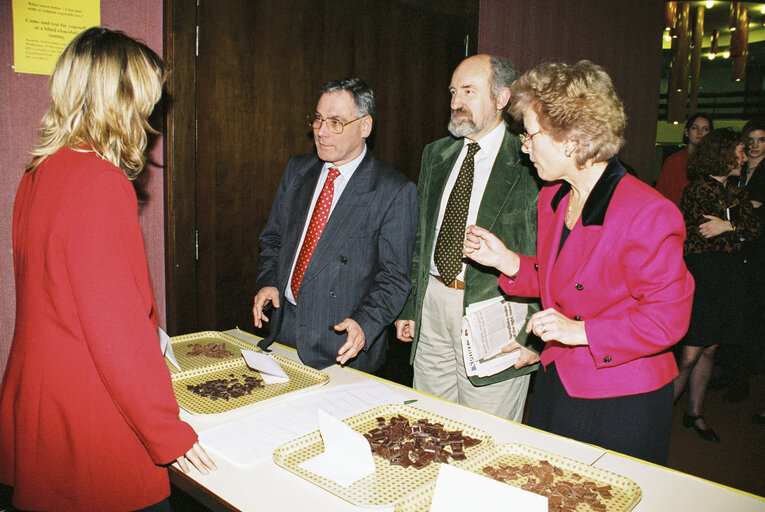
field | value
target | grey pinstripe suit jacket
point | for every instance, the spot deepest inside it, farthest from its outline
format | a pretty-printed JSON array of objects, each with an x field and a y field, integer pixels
[{"x": 360, "y": 267}]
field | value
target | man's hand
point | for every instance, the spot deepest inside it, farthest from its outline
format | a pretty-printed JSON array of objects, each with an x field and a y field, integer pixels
[
  {"x": 262, "y": 298},
  {"x": 405, "y": 330},
  {"x": 355, "y": 342},
  {"x": 526, "y": 358}
]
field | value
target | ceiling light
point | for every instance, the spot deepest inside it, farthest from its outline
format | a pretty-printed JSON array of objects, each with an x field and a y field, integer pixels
[
  {"x": 710, "y": 5},
  {"x": 726, "y": 54}
]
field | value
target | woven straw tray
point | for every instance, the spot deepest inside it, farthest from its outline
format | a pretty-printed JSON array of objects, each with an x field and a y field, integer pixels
[
  {"x": 199, "y": 369},
  {"x": 625, "y": 493},
  {"x": 388, "y": 483}
]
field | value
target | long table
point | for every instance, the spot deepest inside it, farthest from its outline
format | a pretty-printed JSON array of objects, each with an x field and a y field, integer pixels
[{"x": 264, "y": 486}]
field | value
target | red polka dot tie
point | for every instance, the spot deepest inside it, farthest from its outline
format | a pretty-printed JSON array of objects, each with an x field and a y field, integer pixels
[
  {"x": 451, "y": 236},
  {"x": 315, "y": 229}
]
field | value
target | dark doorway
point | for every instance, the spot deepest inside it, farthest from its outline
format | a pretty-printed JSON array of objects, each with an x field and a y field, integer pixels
[{"x": 245, "y": 74}]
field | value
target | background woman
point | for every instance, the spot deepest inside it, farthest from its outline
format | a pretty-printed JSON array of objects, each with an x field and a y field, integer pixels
[
  {"x": 718, "y": 217},
  {"x": 739, "y": 360},
  {"x": 753, "y": 179},
  {"x": 609, "y": 269},
  {"x": 673, "y": 176},
  {"x": 88, "y": 418}
]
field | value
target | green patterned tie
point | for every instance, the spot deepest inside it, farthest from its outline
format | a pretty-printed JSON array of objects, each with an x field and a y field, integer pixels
[{"x": 448, "y": 254}]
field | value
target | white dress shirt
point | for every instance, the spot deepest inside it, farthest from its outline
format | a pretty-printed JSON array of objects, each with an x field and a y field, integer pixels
[
  {"x": 484, "y": 161},
  {"x": 346, "y": 171}
]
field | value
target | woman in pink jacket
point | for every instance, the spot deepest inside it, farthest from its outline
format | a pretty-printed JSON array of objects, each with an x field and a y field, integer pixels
[
  {"x": 609, "y": 269},
  {"x": 88, "y": 418}
]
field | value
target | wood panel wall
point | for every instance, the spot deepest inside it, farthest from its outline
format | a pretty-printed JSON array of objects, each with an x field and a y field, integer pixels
[
  {"x": 623, "y": 37},
  {"x": 23, "y": 100},
  {"x": 258, "y": 73}
]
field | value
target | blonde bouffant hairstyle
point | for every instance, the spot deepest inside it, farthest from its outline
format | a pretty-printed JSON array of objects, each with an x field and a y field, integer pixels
[
  {"x": 573, "y": 103},
  {"x": 103, "y": 90}
]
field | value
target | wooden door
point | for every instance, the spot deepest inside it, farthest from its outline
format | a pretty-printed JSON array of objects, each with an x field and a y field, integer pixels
[{"x": 238, "y": 114}]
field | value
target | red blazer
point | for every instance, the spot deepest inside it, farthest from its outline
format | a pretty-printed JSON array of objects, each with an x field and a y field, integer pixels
[
  {"x": 673, "y": 176},
  {"x": 87, "y": 411},
  {"x": 621, "y": 270}
]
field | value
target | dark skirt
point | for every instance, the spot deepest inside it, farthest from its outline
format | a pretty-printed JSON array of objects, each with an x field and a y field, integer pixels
[
  {"x": 635, "y": 425},
  {"x": 718, "y": 300}
]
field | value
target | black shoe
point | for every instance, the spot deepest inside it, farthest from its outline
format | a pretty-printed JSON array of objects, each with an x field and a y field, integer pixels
[
  {"x": 736, "y": 394},
  {"x": 759, "y": 418},
  {"x": 706, "y": 433}
]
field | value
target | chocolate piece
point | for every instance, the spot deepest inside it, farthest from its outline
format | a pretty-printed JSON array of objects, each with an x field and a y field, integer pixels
[
  {"x": 226, "y": 388},
  {"x": 417, "y": 444},
  {"x": 211, "y": 350},
  {"x": 549, "y": 480}
]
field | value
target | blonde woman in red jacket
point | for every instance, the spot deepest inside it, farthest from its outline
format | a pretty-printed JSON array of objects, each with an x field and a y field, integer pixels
[
  {"x": 616, "y": 294},
  {"x": 88, "y": 418}
]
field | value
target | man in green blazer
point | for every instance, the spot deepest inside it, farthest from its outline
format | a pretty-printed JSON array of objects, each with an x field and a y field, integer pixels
[{"x": 463, "y": 183}]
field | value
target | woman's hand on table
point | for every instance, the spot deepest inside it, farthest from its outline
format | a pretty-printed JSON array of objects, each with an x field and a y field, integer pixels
[
  {"x": 485, "y": 248},
  {"x": 198, "y": 458},
  {"x": 551, "y": 325},
  {"x": 714, "y": 226}
]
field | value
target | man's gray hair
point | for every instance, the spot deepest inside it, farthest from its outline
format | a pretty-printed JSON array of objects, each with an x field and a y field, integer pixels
[
  {"x": 503, "y": 74},
  {"x": 362, "y": 94}
]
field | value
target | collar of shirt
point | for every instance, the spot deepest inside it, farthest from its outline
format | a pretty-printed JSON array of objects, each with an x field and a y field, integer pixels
[
  {"x": 346, "y": 171},
  {"x": 484, "y": 162},
  {"x": 489, "y": 143}
]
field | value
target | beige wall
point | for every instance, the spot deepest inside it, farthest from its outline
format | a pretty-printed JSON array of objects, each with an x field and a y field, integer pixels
[{"x": 23, "y": 99}]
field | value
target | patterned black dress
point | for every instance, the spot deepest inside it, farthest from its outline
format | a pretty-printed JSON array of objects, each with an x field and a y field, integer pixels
[{"x": 717, "y": 264}]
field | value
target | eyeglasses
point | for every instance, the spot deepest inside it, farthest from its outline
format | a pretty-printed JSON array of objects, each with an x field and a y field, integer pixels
[
  {"x": 335, "y": 126},
  {"x": 526, "y": 138}
]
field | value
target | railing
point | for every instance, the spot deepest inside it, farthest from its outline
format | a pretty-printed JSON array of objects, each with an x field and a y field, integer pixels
[{"x": 726, "y": 105}]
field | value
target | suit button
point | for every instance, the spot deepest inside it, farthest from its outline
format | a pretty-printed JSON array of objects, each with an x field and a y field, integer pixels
[
  {"x": 607, "y": 359},
  {"x": 343, "y": 260},
  {"x": 579, "y": 287},
  {"x": 332, "y": 295},
  {"x": 536, "y": 266},
  {"x": 577, "y": 317}
]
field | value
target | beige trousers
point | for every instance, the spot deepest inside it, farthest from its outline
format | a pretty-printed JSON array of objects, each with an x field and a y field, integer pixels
[{"x": 438, "y": 365}]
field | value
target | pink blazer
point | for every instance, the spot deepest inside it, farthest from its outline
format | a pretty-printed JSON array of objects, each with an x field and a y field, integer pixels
[{"x": 621, "y": 270}]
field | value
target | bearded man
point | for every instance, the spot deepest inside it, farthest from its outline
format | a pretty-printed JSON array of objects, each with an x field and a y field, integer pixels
[{"x": 475, "y": 176}]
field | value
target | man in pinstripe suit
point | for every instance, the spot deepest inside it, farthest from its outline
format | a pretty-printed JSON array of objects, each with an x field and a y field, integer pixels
[{"x": 336, "y": 252}]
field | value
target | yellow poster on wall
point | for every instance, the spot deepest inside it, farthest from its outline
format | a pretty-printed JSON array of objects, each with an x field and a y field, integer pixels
[{"x": 43, "y": 28}]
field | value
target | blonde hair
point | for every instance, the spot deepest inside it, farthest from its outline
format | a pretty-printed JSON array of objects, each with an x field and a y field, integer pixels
[
  {"x": 573, "y": 103},
  {"x": 103, "y": 89}
]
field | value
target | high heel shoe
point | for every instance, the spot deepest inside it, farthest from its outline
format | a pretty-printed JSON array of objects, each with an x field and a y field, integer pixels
[{"x": 706, "y": 433}]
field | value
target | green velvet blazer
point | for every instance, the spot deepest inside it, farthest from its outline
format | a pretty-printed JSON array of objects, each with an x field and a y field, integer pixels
[{"x": 508, "y": 209}]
